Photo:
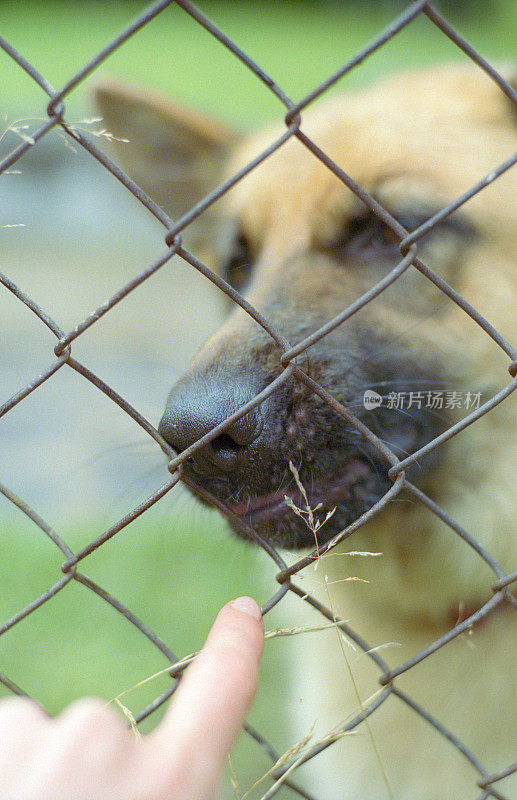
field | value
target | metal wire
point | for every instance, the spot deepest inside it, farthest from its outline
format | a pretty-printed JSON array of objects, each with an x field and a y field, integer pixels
[{"x": 288, "y": 368}]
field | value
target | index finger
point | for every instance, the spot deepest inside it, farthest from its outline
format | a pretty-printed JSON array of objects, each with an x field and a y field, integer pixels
[{"x": 215, "y": 694}]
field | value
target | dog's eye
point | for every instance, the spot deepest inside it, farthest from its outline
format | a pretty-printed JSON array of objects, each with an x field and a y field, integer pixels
[
  {"x": 237, "y": 265},
  {"x": 366, "y": 236}
]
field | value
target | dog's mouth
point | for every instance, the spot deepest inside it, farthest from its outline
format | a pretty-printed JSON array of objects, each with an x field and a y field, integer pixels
[
  {"x": 311, "y": 508},
  {"x": 319, "y": 502},
  {"x": 338, "y": 481},
  {"x": 324, "y": 494}
]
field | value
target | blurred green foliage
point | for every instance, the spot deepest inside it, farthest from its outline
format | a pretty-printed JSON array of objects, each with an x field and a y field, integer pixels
[{"x": 298, "y": 44}]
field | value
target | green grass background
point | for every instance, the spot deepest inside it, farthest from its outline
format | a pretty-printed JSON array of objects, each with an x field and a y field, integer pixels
[{"x": 176, "y": 580}]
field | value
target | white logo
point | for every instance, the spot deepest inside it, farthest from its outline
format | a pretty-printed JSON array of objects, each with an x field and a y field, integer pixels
[
  {"x": 429, "y": 398},
  {"x": 371, "y": 399}
]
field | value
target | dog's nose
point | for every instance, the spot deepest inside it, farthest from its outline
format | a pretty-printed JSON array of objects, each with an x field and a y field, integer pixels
[{"x": 194, "y": 408}]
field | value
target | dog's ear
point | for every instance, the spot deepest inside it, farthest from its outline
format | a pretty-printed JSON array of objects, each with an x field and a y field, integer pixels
[{"x": 174, "y": 154}]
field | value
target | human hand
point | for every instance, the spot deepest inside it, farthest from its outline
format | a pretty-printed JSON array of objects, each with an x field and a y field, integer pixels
[{"x": 87, "y": 753}]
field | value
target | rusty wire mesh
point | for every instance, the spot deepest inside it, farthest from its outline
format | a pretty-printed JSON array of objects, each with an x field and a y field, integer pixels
[{"x": 62, "y": 358}]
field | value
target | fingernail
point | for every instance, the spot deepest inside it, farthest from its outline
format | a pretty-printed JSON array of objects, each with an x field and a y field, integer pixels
[{"x": 248, "y": 606}]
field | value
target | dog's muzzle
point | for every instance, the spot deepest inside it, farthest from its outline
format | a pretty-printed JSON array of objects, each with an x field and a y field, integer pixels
[{"x": 247, "y": 467}]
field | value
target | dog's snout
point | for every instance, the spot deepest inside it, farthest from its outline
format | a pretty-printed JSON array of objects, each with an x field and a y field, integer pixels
[{"x": 195, "y": 407}]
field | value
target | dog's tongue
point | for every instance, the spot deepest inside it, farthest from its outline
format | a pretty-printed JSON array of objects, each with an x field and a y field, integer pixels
[{"x": 328, "y": 491}]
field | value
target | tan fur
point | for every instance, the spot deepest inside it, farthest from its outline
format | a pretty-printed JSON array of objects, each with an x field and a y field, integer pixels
[{"x": 421, "y": 138}]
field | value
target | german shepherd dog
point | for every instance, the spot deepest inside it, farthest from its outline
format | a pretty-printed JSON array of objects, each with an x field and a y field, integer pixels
[{"x": 301, "y": 247}]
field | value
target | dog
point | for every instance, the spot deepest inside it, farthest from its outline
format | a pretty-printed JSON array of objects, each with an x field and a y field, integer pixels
[{"x": 300, "y": 246}]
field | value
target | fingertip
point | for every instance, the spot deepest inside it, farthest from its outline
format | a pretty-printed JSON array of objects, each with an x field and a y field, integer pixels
[
  {"x": 242, "y": 620},
  {"x": 247, "y": 605}
]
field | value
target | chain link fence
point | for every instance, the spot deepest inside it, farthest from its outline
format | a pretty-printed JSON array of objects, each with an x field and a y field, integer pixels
[{"x": 489, "y": 785}]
